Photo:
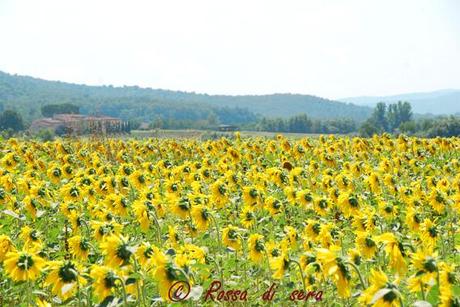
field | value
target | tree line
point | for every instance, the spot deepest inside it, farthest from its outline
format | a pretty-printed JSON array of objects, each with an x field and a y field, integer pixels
[
  {"x": 392, "y": 118},
  {"x": 304, "y": 124}
]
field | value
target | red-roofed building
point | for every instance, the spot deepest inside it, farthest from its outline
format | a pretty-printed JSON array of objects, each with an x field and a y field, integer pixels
[{"x": 78, "y": 124}]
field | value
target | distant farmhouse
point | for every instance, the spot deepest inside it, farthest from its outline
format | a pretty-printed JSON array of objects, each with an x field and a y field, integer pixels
[
  {"x": 228, "y": 128},
  {"x": 79, "y": 124}
]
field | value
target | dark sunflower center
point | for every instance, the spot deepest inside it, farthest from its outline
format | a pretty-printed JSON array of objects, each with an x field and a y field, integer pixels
[
  {"x": 68, "y": 273},
  {"x": 323, "y": 204},
  {"x": 171, "y": 273},
  {"x": 222, "y": 189},
  {"x": 109, "y": 280},
  {"x": 124, "y": 253},
  {"x": 353, "y": 202},
  {"x": 148, "y": 253},
  {"x": 25, "y": 262},
  {"x": 205, "y": 214},
  {"x": 84, "y": 245},
  {"x": 316, "y": 228},
  {"x": 439, "y": 199},
  {"x": 141, "y": 179},
  {"x": 232, "y": 234},
  {"x": 249, "y": 216},
  {"x": 34, "y": 235},
  {"x": 343, "y": 268},
  {"x": 310, "y": 259},
  {"x": 433, "y": 232},
  {"x": 276, "y": 252},
  {"x": 57, "y": 172},
  {"x": 430, "y": 265},
  {"x": 390, "y": 297},
  {"x": 369, "y": 242},
  {"x": 74, "y": 192},
  {"x": 259, "y": 246},
  {"x": 184, "y": 205}
]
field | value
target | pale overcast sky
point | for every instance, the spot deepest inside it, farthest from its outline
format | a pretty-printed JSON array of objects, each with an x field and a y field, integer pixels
[{"x": 329, "y": 48}]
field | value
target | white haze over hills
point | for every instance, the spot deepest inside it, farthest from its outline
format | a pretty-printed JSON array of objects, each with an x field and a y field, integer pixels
[{"x": 438, "y": 102}]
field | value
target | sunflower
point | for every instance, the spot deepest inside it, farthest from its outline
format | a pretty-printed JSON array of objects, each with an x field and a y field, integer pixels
[
  {"x": 355, "y": 256},
  {"x": 181, "y": 207},
  {"x": 247, "y": 217},
  {"x": 189, "y": 254},
  {"x": 322, "y": 206},
  {"x": 54, "y": 173},
  {"x": 366, "y": 244},
  {"x": 138, "y": 179},
  {"x": 305, "y": 198},
  {"x": 349, "y": 204},
  {"x": 64, "y": 278},
  {"x": 23, "y": 265},
  {"x": 105, "y": 281},
  {"x": 256, "y": 248},
  {"x": 290, "y": 238},
  {"x": 166, "y": 275},
  {"x": 387, "y": 209},
  {"x": 147, "y": 254},
  {"x": 31, "y": 237},
  {"x": 429, "y": 233},
  {"x": 380, "y": 292},
  {"x": 373, "y": 182},
  {"x": 273, "y": 205},
  {"x": 219, "y": 192},
  {"x": 425, "y": 262},
  {"x": 251, "y": 196},
  {"x": 413, "y": 219},
  {"x": 337, "y": 267},
  {"x": 173, "y": 236},
  {"x": 6, "y": 246},
  {"x": 231, "y": 237},
  {"x": 395, "y": 251},
  {"x": 447, "y": 280},
  {"x": 79, "y": 247},
  {"x": 279, "y": 265},
  {"x": 142, "y": 211},
  {"x": 201, "y": 216},
  {"x": 117, "y": 251},
  {"x": 103, "y": 230},
  {"x": 438, "y": 199}
]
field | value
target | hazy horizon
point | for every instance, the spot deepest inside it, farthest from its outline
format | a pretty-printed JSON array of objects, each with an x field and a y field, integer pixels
[
  {"x": 259, "y": 94},
  {"x": 329, "y": 49}
]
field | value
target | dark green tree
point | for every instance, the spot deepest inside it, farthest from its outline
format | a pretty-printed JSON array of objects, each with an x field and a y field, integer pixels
[
  {"x": 10, "y": 119},
  {"x": 368, "y": 129},
  {"x": 65, "y": 108},
  {"x": 379, "y": 117},
  {"x": 398, "y": 113}
]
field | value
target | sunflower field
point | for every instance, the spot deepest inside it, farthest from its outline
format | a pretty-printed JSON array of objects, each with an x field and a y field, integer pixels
[{"x": 328, "y": 221}]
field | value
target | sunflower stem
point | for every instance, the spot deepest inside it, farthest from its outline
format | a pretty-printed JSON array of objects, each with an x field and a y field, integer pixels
[
  {"x": 363, "y": 284},
  {"x": 301, "y": 274},
  {"x": 423, "y": 291},
  {"x": 140, "y": 295},
  {"x": 123, "y": 289}
]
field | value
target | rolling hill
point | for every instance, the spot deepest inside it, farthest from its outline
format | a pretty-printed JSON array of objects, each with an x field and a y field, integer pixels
[
  {"x": 436, "y": 102},
  {"x": 28, "y": 94}
]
